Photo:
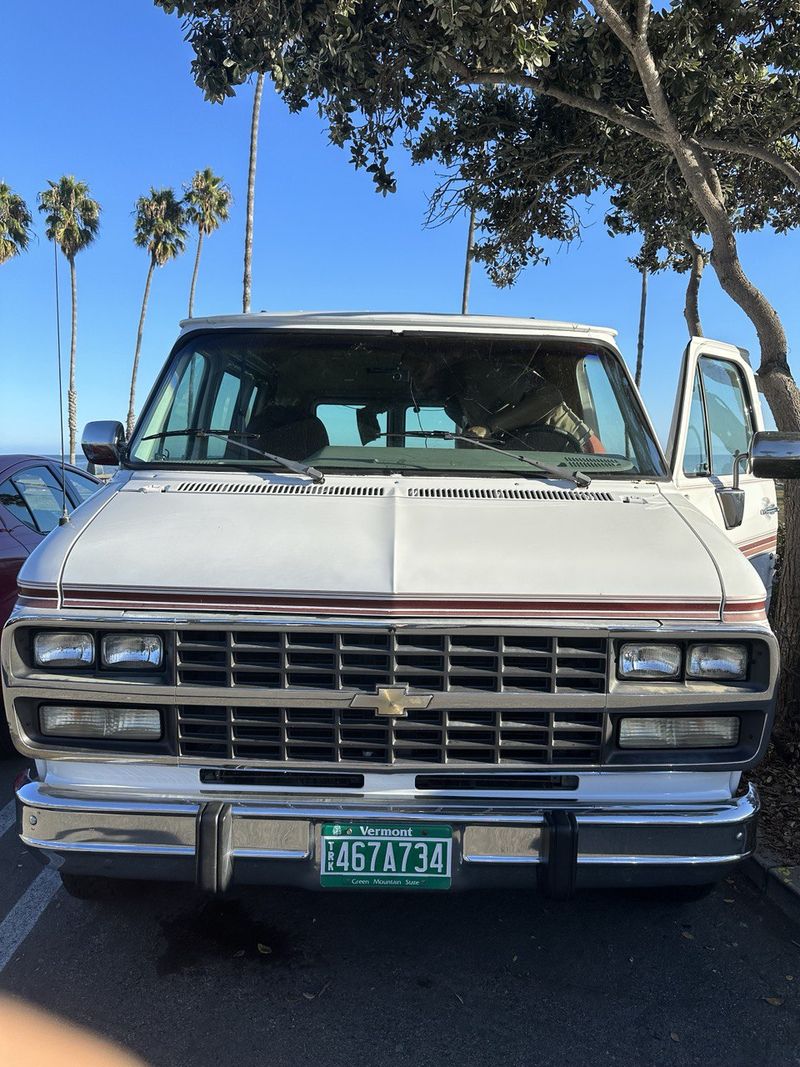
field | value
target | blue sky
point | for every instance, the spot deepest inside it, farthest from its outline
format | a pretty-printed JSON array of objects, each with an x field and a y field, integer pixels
[{"x": 109, "y": 98}]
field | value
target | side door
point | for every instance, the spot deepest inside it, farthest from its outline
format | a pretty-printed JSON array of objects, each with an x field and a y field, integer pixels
[{"x": 716, "y": 413}]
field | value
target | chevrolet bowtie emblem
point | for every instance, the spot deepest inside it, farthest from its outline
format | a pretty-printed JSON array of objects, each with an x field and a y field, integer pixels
[{"x": 392, "y": 703}]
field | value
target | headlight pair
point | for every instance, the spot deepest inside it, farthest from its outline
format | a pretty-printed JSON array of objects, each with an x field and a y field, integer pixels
[
  {"x": 665, "y": 662},
  {"x": 119, "y": 651}
]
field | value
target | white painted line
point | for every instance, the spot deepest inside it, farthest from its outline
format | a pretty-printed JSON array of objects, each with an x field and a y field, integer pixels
[
  {"x": 26, "y": 913},
  {"x": 8, "y": 816}
]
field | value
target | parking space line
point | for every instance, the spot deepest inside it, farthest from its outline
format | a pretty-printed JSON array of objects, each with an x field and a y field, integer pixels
[
  {"x": 22, "y": 918},
  {"x": 7, "y": 817}
]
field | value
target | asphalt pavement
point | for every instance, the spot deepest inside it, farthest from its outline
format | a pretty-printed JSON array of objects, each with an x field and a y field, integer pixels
[{"x": 285, "y": 977}]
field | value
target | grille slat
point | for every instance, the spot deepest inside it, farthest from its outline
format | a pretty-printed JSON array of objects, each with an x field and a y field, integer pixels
[
  {"x": 360, "y": 661},
  {"x": 450, "y": 736}
]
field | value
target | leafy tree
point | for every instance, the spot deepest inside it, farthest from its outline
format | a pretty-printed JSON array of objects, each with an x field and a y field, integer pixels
[
  {"x": 72, "y": 220},
  {"x": 710, "y": 87},
  {"x": 247, "y": 280},
  {"x": 160, "y": 228},
  {"x": 15, "y": 223},
  {"x": 206, "y": 204}
]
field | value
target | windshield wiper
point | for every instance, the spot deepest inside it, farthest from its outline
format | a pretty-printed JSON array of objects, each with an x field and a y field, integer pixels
[
  {"x": 579, "y": 479},
  {"x": 230, "y": 438}
]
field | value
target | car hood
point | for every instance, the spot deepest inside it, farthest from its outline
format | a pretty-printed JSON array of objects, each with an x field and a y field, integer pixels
[{"x": 372, "y": 546}]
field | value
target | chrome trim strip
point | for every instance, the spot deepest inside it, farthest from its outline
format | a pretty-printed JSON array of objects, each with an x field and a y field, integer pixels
[
  {"x": 107, "y": 846},
  {"x": 501, "y": 859},
  {"x": 270, "y": 854},
  {"x": 659, "y": 861}
]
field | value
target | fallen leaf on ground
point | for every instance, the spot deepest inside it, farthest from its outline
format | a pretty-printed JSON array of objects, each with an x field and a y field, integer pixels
[
  {"x": 774, "y": 1001},
  {"x": 687, "y": 935},
  {"x": 674, "y": 1036},
  {"x": 314, "y": 996},
  {"x": 265, "y": 950}
]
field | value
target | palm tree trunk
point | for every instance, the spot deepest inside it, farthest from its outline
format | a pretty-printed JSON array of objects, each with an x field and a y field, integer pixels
[
  {"x": 468, "y": 262},
  {"x": 251, "y": 196},
  {"x": 194, "y": 272},
  {"x": 145, "y": 298},
  {"x": 691, "y": 309},
  {"x": 72, "y": 398},
  {"x": 640, "y": 342}
]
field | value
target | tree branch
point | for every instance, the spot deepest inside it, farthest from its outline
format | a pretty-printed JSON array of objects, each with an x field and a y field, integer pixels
[
  {"x": 766, "y": 155},
  {"x": 618, "y": 25},
  {"x": 643, "y": 10},
  {"x": 609, "y": 112}
]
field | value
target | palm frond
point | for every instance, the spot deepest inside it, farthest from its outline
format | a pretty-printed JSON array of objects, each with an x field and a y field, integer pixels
[
  {"x": 16, "y": 223},
  {"x": 72, "y": 217},
  {"x": 160, "y": 225},
  {"x": 207, "y": 201}
]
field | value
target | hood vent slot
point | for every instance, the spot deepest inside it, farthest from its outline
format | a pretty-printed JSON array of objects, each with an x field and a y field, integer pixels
[
  {"x": 579, "y": 496},
  {"x": 280, "y": 489}
]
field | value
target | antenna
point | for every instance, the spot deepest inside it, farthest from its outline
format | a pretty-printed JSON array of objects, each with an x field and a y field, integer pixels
[{"x": 64, "y": 519}]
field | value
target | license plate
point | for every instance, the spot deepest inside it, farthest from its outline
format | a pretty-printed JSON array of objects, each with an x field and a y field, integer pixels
[{"x": 386, "y": 856}]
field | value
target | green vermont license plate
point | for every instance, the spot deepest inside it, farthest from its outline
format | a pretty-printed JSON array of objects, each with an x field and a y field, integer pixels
[{"x": 386, "y": 855}]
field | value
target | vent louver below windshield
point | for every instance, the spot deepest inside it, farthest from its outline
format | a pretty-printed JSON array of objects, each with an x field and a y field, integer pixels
[
  {"x": 415, "y": 492},
  {"x": 280, "y": 489}
]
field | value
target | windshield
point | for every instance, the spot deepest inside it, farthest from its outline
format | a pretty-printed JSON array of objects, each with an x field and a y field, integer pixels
[{"x": 352, "y": 403}]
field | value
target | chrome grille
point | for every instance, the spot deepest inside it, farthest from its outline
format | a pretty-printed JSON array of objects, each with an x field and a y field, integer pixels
[
  {"x": 343, "y": 735},
  {"x": 361, "y": 660}
]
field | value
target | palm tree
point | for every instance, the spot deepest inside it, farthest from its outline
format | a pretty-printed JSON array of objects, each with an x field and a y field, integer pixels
[
  {"x": 160, "y": 227},
  {"x": 206, "y": 202},
  {"x": 251, "y": 195},
  {"x": 72, "y": 219},
  {"x": 15, "y": 224}
]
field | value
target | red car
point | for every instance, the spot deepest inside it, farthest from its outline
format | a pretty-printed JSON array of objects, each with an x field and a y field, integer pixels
[{"x": 31, "y": 503}]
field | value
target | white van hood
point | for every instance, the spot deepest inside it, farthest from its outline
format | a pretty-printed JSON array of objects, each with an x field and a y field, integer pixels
[{"x": 378, "y": 546}]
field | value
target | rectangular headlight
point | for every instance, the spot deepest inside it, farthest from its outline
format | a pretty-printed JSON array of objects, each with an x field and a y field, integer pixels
[
  {"x": 658, "y": 662},
  {"x": 68, "y": 649},
  {"x": 717, "y": 662},
  {"x": 126, "y": 724},
  {"x": 131, "y": 650},
  {"x": 718, "y": 731}
]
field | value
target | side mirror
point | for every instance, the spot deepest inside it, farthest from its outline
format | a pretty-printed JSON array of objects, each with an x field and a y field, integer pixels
[
  {"x": 775, "y": 455},
  {"x": 103, "y": 442}
]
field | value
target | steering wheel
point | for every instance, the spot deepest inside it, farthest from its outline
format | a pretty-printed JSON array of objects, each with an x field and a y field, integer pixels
[{"x": 519, "y": 438}]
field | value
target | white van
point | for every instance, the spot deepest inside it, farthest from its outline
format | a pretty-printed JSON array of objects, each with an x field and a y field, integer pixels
[{"x": 405, "y": 601}]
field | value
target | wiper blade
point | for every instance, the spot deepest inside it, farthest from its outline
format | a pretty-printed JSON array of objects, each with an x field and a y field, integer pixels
[
  {"x": 230, "y": 437},
  {"x": 188, "y": 432},
  {"x": 579, "y": 479}
]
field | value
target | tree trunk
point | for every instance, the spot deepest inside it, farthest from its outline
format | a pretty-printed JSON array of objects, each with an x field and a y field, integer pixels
[
  {"x": 251, "y": 195},
  {"x": 194, "y": 272},
  {"x": 72, "y": 396},
  {"x": 691, "y": 308},
  {"x": 468, "y": 262},
  {"x": 640, "y": 342},
  {"x": 779, "y": 387},
  {"x": 145, "y": 298}
]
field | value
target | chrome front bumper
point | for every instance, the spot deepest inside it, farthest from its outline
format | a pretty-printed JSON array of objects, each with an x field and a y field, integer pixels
[{"x": 227, "y": 840}]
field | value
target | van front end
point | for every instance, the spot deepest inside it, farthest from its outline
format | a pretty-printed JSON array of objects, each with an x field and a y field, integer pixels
[{"x": 336, "y": 751}]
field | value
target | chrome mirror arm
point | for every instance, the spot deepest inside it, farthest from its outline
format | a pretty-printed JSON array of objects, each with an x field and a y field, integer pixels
[{"x": 738, "y": 457}]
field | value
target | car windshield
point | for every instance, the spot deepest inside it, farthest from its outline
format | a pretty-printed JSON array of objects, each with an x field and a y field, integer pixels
[{"x": 365, "y": 402}]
